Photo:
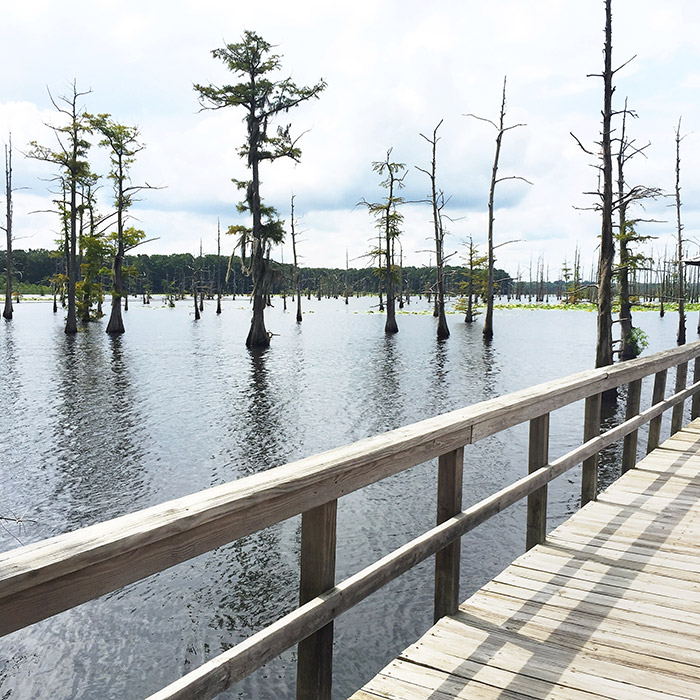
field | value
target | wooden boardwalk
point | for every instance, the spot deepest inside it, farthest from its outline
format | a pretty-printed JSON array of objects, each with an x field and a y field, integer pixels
[{"x": 609, "y": 607}]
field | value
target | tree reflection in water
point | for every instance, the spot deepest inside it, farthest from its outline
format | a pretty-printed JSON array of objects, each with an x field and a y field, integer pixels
[
  {"x": 98, "y": 428},
  {"x": 97, "y": 434}
]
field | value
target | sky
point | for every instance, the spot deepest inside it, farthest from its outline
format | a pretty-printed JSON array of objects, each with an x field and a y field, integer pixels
[{"x": 394, "y": 69}]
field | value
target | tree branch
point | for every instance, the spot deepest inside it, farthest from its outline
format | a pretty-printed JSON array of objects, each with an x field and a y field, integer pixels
[
  {"x": 484, "y": 119},
  {"x": 581, "y": 146},
  {"x": 513, "y": 177}
]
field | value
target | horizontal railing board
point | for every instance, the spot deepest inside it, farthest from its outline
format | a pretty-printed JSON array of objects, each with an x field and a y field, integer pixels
[
  {"x": 219, "y": 673},
  {"x": 103, "y": 557}
]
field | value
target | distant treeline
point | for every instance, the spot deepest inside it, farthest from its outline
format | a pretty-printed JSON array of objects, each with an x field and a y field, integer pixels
[{"x": 177, "y": 272}]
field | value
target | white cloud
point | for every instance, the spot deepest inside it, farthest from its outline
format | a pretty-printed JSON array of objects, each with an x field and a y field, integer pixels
[{"x": 394, "y": 69}]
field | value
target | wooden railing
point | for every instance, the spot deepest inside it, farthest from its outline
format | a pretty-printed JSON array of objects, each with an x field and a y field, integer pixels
[{"x": 45, "y": 578}]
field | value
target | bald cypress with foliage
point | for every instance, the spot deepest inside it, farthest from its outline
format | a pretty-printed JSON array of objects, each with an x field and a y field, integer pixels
[
  {"x": 123, "y": 144},
  {"x": 388, "y": 222},
  {"x": 263, "y": 99},
  {"x": 74, "y": 169}
]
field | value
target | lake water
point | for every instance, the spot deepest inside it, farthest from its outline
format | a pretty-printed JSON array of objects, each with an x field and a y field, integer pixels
[{"x": 94, "y": 427}]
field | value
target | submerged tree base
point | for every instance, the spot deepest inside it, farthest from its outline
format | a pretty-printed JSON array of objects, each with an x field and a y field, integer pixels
[
  {"x": 256, "y": 342},
  {"x": 258, "y": 337},
  {"x": 391, "y": 326},
  {"x": 443, "y": 332},
  {"x": 116, "y": 323}
]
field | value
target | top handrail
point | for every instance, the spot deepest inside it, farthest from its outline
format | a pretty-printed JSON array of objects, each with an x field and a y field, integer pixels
[{"x": 42, "y": 579}]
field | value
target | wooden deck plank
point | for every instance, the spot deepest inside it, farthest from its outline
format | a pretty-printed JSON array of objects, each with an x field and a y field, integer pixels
[
  {"x": 598, "y": 558},
  {"x": 607, "y": 607},
  {"x": 644, "y": 531},
  {"x": 679, "y": 542},
  {"x": 425, "y": 682},
  {"x": 659, "y": 563},
  {"x": 598, "y": 587},
  {"x": 575, "y": 603},
  {"x": 666, "y": 645},
  {"x": 552, "y": 662},
  {"x": 472, "y": 656},
  {"x": 623, "y": 579},
  {"x": 613, "y": 645}
]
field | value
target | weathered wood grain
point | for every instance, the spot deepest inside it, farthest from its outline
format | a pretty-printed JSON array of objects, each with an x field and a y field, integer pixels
[
  {"x": 317, "y": 575},
  {"x": 609, "y": 605},
  {"x": 538, "y": 456},
  {"x": 656, "y": 397},
  {"x": 591, "y": 429},
  {"x": 629, "y": 445},
  {"x": 449, "y": 504},
  {"x": 677, "y": 415}
]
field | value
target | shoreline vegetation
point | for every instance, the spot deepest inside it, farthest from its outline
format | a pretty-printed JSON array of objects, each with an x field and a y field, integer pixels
[{"x": 44, "y": 294}]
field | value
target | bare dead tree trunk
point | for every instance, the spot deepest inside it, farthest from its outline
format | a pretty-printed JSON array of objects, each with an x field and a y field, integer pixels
[
  {"x": 218, "y": 267},
  {"x": 71, "y": 263},
  {"x": 404, "y": 295},
  {"x": 437, "y": 201},
  {"x": 297, "y": 276},
  {"x": 604, "y": 344},
  {"x": 201, "y": 277},
  {"x": 662, "y": 289},
  {"x": 347, "y": 272},
  {"x": 488, "y": 317},
  {"x": 679, "y": 227},
  {"x": 501, "y": 129},
  {"x": 7, "y": 311}
]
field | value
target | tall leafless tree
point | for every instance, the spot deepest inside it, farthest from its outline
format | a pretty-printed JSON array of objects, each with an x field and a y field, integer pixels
[
  {"x": 7, "y": 311},
  {"x": 501, "y": 129},
  {"x": 604, "y": 341},
  {"x": 604, "y": 322},
  {"x": 437, "y": 201},
  {"x": 680, "y": 338},
  {"x": 218, "y": 266},
  {"x": 295, "y": 261}
]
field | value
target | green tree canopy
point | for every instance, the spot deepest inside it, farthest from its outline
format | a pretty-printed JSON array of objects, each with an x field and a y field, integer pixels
[{"x": 263, "y": 98}]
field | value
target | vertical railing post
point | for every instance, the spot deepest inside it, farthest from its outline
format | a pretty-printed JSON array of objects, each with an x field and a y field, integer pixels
[
  {"x": 315, "y": 653},
  {"x": 538, "y": 456},
  {"x": 629, "y": 445},
  {"x": 695, "y": 403},
  {"x": 656, "y": 397},
  {"x": 591, "y": 429},
  {"x": 677, "y": 415},
  {"x": 449, "y": 503}
]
